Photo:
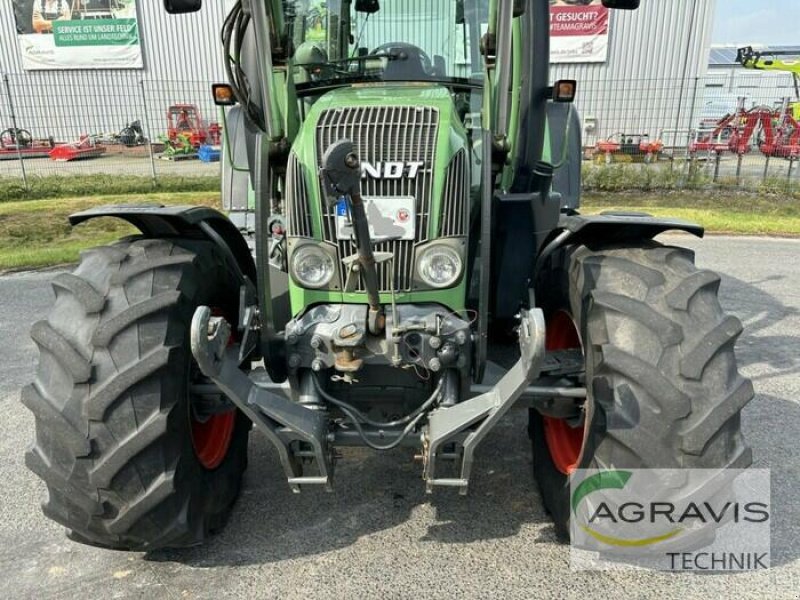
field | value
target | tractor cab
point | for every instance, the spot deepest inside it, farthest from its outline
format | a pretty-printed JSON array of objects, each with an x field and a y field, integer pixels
[{"x": 340, "y": 43}]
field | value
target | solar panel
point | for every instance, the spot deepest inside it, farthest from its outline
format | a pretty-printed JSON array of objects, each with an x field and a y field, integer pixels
[{"x": 722, "y": 56}]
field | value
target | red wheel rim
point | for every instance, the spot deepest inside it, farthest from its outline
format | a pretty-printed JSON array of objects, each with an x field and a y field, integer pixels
[
  {"x": 564, "y": 442},
  {"x": 212, "y": 437}
]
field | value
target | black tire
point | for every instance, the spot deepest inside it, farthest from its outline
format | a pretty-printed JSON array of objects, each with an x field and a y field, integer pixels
[
  {"x": 16, "y": 138},
  {"x": 664, "y": 389},
  {"x": 113, "y": 433}
]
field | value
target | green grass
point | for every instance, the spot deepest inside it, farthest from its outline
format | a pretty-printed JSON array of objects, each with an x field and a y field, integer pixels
[
  {"x": 661, "y": 178},
  {"x": 36, "y": 233},
  {"x": 721, "y": 221},
  {"x": 737, "y": 213},
  {"x": 73, "y": 186}
]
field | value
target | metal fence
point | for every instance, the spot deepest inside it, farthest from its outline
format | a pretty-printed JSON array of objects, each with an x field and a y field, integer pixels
[
  {"x": 731, "y": 129},
  {"x": 721, "y": 130},
  {"x": 76, "y": 127}
]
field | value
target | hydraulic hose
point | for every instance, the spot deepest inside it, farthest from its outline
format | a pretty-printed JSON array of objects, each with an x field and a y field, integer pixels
[
  {"x": 357, "y": 417},
  {"x": 367, "y": 421}
]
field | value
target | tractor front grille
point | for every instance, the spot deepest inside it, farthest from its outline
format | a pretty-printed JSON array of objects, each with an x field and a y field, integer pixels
[
  {"x": 455, "y": 210},
  {"x": 384, "y": 134},
  {"x": 298, "y": 213}
]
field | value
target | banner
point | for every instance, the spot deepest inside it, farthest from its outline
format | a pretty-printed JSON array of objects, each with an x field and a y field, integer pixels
[
  {"x": 578, "y": 31},
  {"x": 78, "y": 34}
]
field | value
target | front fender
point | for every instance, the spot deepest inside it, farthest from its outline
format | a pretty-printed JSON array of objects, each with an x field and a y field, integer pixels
[
  {"x": 615, "y": 227},
  {"x": 193, "y": 222},
  {"x": 610, "y": 228}
]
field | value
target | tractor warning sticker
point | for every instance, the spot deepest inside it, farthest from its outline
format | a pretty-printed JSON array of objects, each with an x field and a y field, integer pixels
[
  {"x": 390, "y": 218},
  {"x": 579, "y": 31}
]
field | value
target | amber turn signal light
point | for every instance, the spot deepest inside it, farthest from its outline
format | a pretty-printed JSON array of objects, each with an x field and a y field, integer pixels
[
  {"x": 223, "y": 94},
  {"x": 565, "y": 90}
]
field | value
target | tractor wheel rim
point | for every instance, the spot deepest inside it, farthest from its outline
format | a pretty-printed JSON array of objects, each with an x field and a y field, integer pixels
[
  {"x": 212, "y": 436},
  {"x": 564, "y": 443}
]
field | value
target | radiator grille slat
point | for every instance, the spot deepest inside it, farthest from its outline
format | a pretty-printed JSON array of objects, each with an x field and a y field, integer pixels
[
  {"x": 455, "y": 212},
  {"x": 299, "y": 213},
  {"x": 384, "y": 134}
]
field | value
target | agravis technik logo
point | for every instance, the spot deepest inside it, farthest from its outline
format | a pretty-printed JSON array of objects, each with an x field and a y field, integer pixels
[
  {"x": 664, "y": 518},
  {"x": 606, "y": 480}
]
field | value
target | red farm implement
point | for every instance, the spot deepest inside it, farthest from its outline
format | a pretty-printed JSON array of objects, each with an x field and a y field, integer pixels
[
  {"x": 84, "y": 147},
  {"x": 628, "y": 147},
  {"x": 775, "y": 133},
  {"x": 19, "y": 143},
  {"x": 185, "y": 120}
]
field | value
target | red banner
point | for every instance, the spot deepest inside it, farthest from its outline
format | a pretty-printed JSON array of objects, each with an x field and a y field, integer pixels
[{"x": 579, "y": 31}]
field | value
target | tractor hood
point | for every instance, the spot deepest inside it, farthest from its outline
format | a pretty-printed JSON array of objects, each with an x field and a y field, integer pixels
[
  {"x": 415, "y": 170},
  {"x": 386, "y": 122}
]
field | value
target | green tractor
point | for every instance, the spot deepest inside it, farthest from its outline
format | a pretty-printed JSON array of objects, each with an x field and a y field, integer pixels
[{"x": 402, "y": 182}]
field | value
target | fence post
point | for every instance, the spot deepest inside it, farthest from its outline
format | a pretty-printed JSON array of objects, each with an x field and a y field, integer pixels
[
  {"x": 739, "y": 170},
  {"x": 13, "y": 115},
  {"x": 148, "y": 134}
]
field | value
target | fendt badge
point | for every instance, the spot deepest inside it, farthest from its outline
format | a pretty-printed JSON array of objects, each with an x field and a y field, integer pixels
[{"x": 391, "y": 170}]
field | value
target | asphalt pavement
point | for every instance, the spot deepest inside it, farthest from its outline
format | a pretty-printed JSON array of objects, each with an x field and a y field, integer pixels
[{"x": 379, "y": 535}]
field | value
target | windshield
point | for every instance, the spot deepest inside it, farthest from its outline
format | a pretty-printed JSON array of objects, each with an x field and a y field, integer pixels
[{"x": 342, "y": 41}]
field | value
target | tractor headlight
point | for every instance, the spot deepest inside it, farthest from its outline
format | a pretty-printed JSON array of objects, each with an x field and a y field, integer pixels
[
  {"x": 312, "y": 267},
  {"x": 439, "y": 266}
]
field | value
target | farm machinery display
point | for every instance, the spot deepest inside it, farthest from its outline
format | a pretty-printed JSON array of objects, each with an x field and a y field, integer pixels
[
  {"x": 187, "y": 131},
  {"x": 400, "y": 193},
  {"x": 18, "y": 143},
  {"x": 86, "y": 146},
  {"x": 774, "y": 132},
  {"x": 785, "y": 61},
  {"x": 628, "y": 147}
]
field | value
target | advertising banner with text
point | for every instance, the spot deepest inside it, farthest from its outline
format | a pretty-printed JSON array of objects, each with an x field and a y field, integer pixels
[
  {"x": 579, "y": 31},
  {"x": 78, "y": 34}
]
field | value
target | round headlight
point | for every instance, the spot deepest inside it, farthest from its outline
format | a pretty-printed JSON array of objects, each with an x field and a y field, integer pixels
[
  {"x": 312, "y": 267},
  {"x": 439, "y": 266}
]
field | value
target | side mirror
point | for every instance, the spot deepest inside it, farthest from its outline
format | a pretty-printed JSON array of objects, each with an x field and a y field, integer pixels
[
  {"x": 622, "y": 4},
  {"x": 368, "y": 6},
  {"x": 180, "y": 7}
]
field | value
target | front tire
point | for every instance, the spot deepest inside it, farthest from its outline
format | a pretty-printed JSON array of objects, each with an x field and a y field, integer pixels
[
  {"x": 663, "y": 387},
  {"x": 128, "y": 461}
]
